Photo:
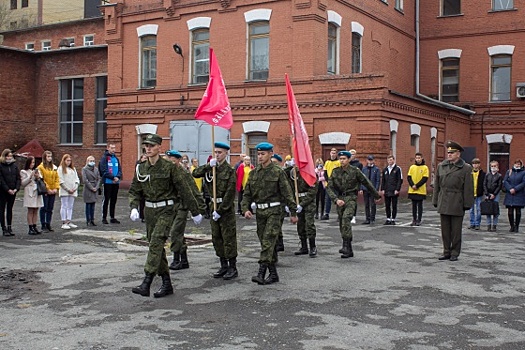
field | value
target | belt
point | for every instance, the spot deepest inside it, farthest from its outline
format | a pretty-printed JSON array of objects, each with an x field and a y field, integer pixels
[
  {"x": 268, "y": 205},
  {"x": 159, "y": 204},
  {"x": 303, "y": 194},
  {"x": 216, "y": 200},
  {"x": 348, "y": 193}
]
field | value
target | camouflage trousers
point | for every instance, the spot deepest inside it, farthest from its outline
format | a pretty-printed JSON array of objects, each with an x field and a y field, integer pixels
[
  {"x": 345, "y": 215},
  {"x": 269, "y": 223},
  {"x": 158, "y": 224},
  {"x": 224, "y": 235},
  {"x": 178, "y": 243},
  {"x": 306, "y": 223}
]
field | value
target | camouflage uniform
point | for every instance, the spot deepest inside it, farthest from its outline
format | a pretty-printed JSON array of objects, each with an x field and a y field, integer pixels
[
  {"x": 266, "y": 186},
  {"x": 159, "y": 183},
  {"x": 306, "y": 224},
  {"x": 344, "y": 184},
  {"x": 224, "y": 230}
]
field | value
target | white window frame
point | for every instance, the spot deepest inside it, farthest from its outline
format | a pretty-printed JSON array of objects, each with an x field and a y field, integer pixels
[
  {"x": 500, "y": 50},
  {"x": 196, "y": 24},
  {"x": 251, "y": 17},
  {"x": 89, "y": 42},
  {"x": 142, "y": 31},
  {"x": 502, "y": 6},
  {"x": 399, "y": 5},
  {"x": 442, "y": 9},
  {"x": 46, "y": 47},
  {"x": 30, "y": 46},
  {"x": 335, "y": 19}
]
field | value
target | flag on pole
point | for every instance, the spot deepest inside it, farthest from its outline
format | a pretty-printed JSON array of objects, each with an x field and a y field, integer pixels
[
  {"x": 301, "y": 148},
  {"x": 215, "y": 108}
]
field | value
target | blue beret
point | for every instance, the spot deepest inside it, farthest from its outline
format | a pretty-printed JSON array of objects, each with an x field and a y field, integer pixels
[
  {"x": 344, "y": 153},
  {"x": 222, "y": 145},
  {"x": 173, "y": 153},
  {"x": 264, "y": 146},
  {"x": 278, "y": 157}
]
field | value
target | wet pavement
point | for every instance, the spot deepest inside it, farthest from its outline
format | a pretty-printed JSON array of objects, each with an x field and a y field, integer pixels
[{"x": 72, "y": 290}]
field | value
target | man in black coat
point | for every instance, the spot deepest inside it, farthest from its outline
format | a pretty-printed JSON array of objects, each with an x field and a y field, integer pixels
[{"x": 390, "y": 189}]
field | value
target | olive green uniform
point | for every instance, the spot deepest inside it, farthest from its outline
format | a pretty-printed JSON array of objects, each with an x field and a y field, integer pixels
[
  {"x": 344, "y": 184},
  {"x": 159, "y": 185},
  {"x": 224, "y": 230},
  {"x": 306, "y": 223}
]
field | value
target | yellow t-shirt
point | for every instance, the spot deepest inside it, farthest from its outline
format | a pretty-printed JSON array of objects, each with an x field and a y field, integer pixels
[
  {"x": 198, "y": 181},
  {"x": 417, "y": 172},
  {"x": 330, "y": 165},
  {"x": 247, "y": 170},
  {"x": 475, "y": 175}
]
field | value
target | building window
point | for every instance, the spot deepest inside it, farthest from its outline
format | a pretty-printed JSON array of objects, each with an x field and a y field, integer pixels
[
  {"x": 30, "y": 46},
  {"x": 450, "y": 80},
  {"x": 451, "y": 7},
  {"x": 332, "y": 49},
  {"x": 71, "y": 110},
  {"x": 89, "y": 40},
  {"x": 101, "y": 102},
  {"x": 14, "y": 4},
  {"x": 399, "y": 5},
  {"x": 499, "y": 5},
  {"x": 253, "y": 140},
  {"x": 13, "y": 25},
  {"x": 259, "y": 50},
  {"x": 46, "y": 45},
  {"x": 148, "y": 47},
  {"x": 500, "y": 79},
  {"x": 25, "y": 3},
  {"x": 356, "y": 53},
  {"x": 200, "y": 44}
]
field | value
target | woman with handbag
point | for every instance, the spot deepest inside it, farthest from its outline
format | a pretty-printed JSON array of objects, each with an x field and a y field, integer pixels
[
  {"x": 32, "y": 199},
  {"x": 514, "y": 183},
  {"x": 9, "y": 185},
  {"x": 69, "y": 181},
  {"x": 491, "y": 189},
  {"x": 48, "y": 172},
  {"x": 91, "y": 180}
]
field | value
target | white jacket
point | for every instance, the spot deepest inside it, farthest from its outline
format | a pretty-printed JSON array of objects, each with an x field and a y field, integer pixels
[{"x": 68, "y": 181}]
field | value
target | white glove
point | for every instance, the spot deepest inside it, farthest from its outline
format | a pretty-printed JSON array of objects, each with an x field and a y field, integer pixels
[
  {"x": 286, "y": 209},
  {"x": 216, "y": 216},
  {"x": 299, "y": 209},
  {"x": 213, "y": 162},
  {"x": 291, "y": 162},
  {"x": 197, "y": 219},
  {"x": 134, "y": 216},
  {"x": 253, "y": 206}
]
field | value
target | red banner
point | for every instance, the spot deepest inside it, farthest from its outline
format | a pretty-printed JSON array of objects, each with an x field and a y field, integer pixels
[
  {"x": 215, "y": 108},
  {"x": 301, "y": 148}
]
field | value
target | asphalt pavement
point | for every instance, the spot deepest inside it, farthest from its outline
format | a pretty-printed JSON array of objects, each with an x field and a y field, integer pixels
[{"x": 72, "y": 289}]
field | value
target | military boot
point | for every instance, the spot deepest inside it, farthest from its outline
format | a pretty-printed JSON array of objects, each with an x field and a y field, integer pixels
[
  {"x": 175, "y": 262},
  {"x": 304, "y": 248},
  {"x": 347, "y": 249},
  {"x": 143, "y": 289},
  {"x": 222, "y": 270},
  {"x": 280, "y": 244},
  {"x": 259, "y": 279},
  {"x": 166, "y": 288},
  {"x": 313, "y": 248},
  {"x": 183, "y": 263},
  {"x": 232, "y": 270},
  {"x": 272, "y": 277},
  {"x": 343, "y": 248}
]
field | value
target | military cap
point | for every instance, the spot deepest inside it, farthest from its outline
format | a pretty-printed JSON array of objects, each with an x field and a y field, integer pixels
[
  {"x": 173, "y": 153},
  {"x": 222, "y": 145},
  {"x": 264, "y": 146},
  {"x": 454, "y": 147},
  {"x": 278, "y": 157},
  {"x": 370, "y": 157},
  {"x": 345, "y": 154},
  {"x": 152, "y": 139}
]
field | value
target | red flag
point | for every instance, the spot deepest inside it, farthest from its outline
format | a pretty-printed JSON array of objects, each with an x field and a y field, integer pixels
[
  {"x": 215, "y": 108},
  {"x": 301, "y": 148}
]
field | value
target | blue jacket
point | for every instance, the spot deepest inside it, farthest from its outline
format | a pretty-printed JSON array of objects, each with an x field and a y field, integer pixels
[
  {"x": 109, "y": 167},
  {"x": 514, "y": 179},
  {"x": 373, "y": 173}
]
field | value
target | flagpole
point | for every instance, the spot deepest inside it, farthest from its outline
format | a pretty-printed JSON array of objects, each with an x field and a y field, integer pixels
[
  {"x": 296, "y": 174},
  {"x": 214, "y": 169}
]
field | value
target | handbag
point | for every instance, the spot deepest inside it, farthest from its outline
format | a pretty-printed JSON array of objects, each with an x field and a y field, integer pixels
[
  {"x": 489, "y": 208},
  {"x": 41, "y": 187}
]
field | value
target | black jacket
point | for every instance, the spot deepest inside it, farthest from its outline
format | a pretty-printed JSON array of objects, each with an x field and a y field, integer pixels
[
  {"x": 9, "y": 177},
  {"x": 391, "y": 181},
  {"x": 478, "y": 191},
  {"x": 492, "y": 184}
]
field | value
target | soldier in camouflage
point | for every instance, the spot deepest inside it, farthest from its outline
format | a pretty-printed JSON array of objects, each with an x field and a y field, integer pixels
[
  {"x": 278, "y": 160},
  {"x": 342, "y": 188},
  {"x": 159, "y": 182},
  {"x": 178, "y": 242},
  {"x": 266, "y": 189},
  {"x": 306, "y": 224},
  {"x": 223, "y": 223}
]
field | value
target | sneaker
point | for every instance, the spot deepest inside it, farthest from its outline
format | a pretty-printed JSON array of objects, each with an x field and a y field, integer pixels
[
  {"x": 353, "y": 220},
  {"x": 114, "y": 221},
  {"x": 72, "y": 225},
  {"x": 104, "y": 221},
  {"x": 65, "y": 227}
]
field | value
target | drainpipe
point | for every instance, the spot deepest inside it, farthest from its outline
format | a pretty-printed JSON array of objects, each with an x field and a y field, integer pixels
[{"x": 441, "y": 103}]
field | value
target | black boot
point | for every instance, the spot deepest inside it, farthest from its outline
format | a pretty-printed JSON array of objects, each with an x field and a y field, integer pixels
[
  {"x": 166, "y": 288},
  {"x": 10, "y": 230},
  {"x": 183, "y": 263},
  {"x": 31, "y": 232},
  {"x": 44, "y": 228},
  {"x": 313, "y": 248},
  {"x": 343, "y": 248},
  {"x": 511, "y": 228},
  {"x": 223, "y": 269},
  {"x": 92, "y": 223},
  {"x": 272, "y": 277},
  {"x": 5, "y": 232},
  {"x": 259, "y": 279},
  {"x": 347, "y": 249},
  {"x": 280, "y": 244},
  {"x": 516, "y": 229},
  {"x": 232, "y": 269},
  {"x": 143, "y": 289},
  {"x": 49, "y": 228},
  {"x": 35, "y": 229},
  {"x": 304, "y": 248},
  {"x": 175, "y": 262}
]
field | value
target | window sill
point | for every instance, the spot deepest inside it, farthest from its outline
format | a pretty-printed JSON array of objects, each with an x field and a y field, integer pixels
[
  {"x": 70, "y": 144},
  {"x": 400, "y": 10},
  {"x": 256, "y": 81},
  {"x": 448, "y": 16},
  {"x": 147, "y": 88},
  {"x": 197, "y": 84},
  {"x": 506, "y": 101},
  {"x": 503, "y": 10}
]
